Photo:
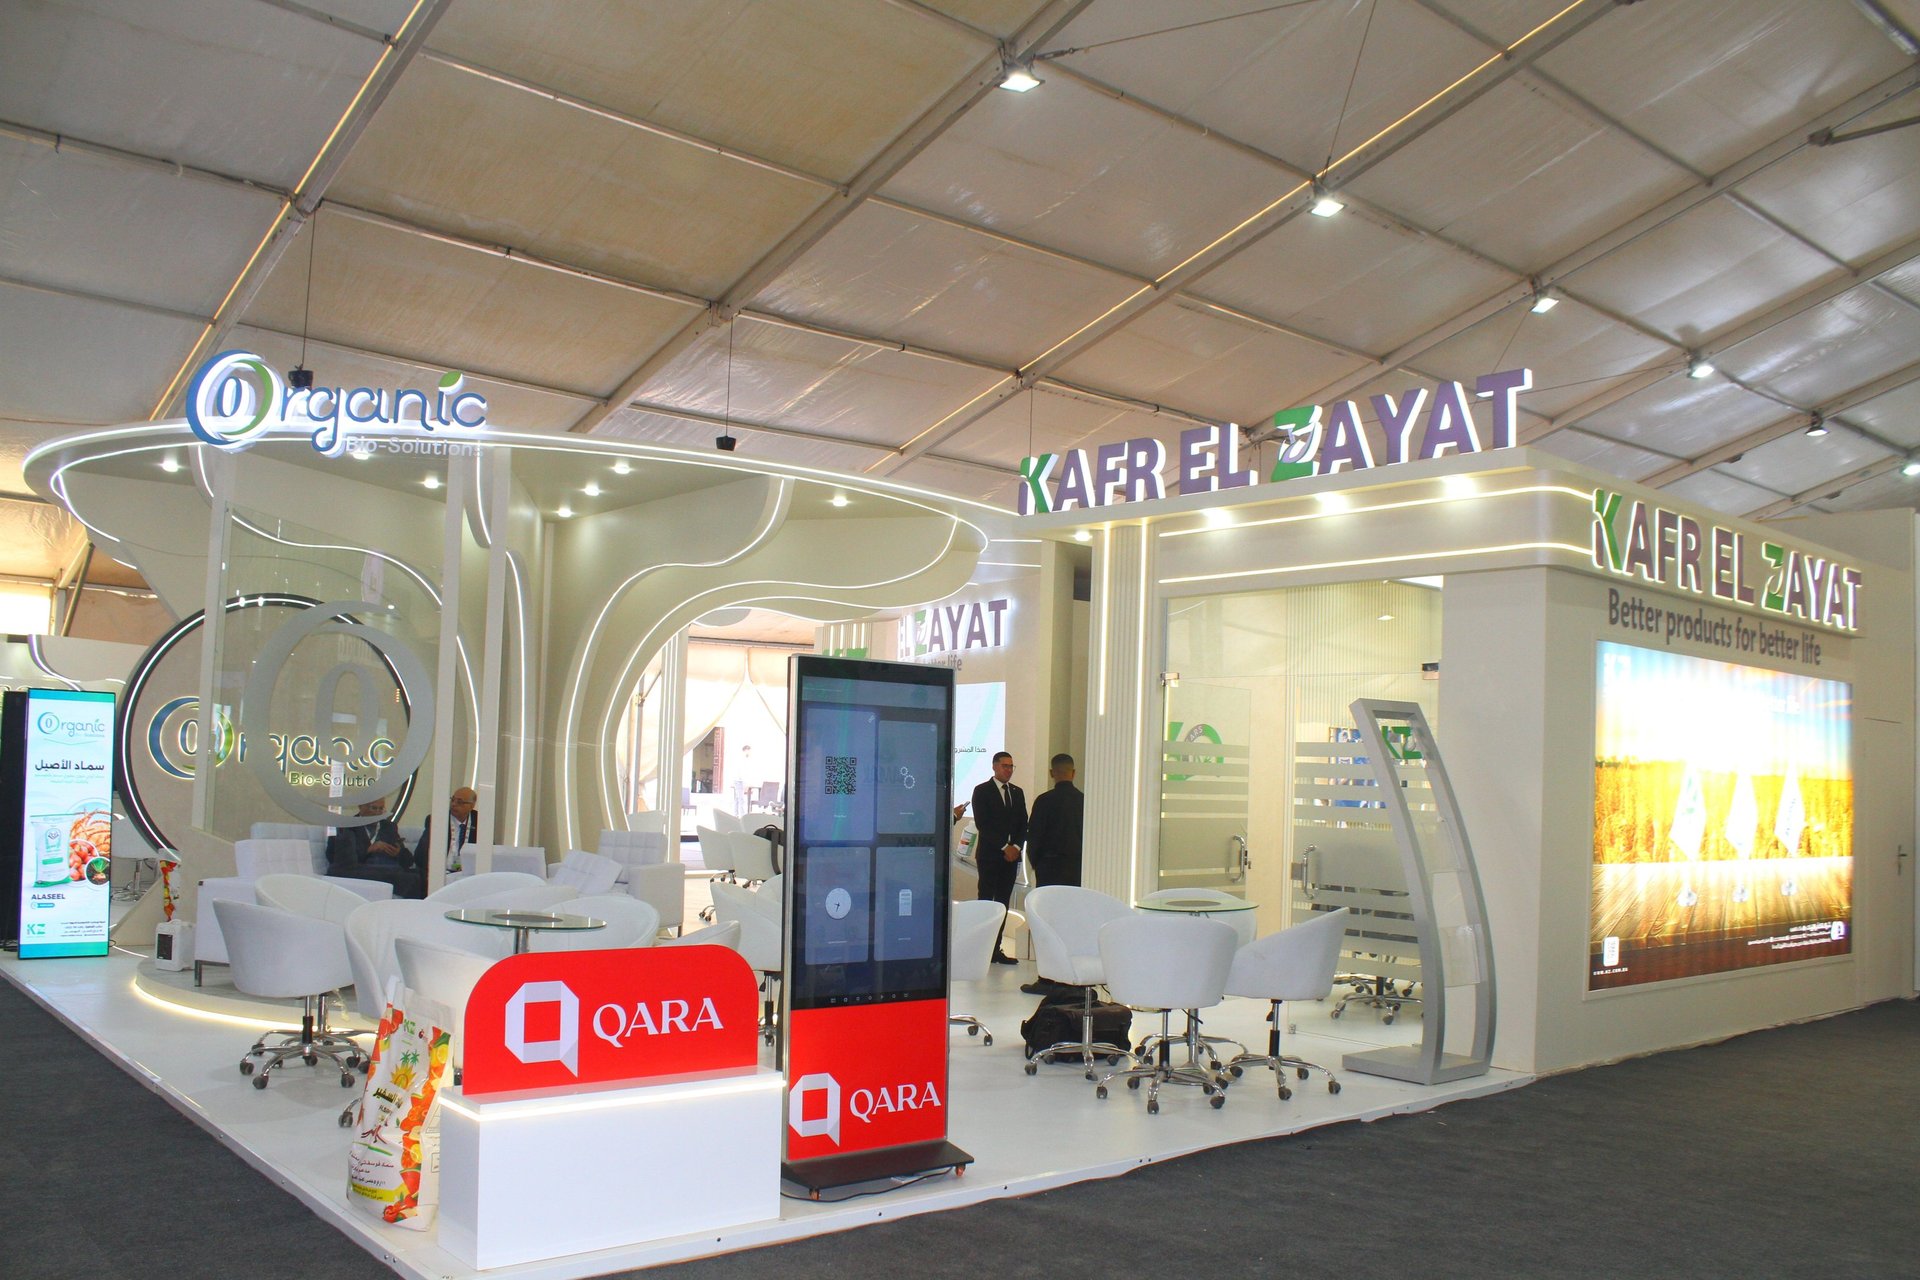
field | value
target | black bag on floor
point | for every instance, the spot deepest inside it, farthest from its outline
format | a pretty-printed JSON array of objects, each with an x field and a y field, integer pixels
[{"x": 1058, "y": 1019}]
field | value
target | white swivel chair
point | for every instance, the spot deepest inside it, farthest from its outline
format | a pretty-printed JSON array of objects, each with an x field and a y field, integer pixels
[
  {"x": 587, "y": 874},
  {"x": 1163, "y": 963},
  {"x": 759, "y": 818},
  {"x": 1293, "y": 964},
  {"x": 445, "y": 977},
  {"x": 374, "y": 928},
  {"x": 714, "y": 935},
  {"x": 279, "y": 955},
  {"x": 629, "y": 923},
  {"x": 760, "y": 938},
  {"x": 724, "y": 821},
  {"x": 752, "y": 859},
  {"x": 309, "y": 896},
  {"x": 493, "y": 883},
  {"x": 1065, "y": 922},
  {"x": 970, "y": 937},
  {"x": 272, "y": 855},
  {"x": 663, "y": 887},
  {"x": 716, "y": 852}
]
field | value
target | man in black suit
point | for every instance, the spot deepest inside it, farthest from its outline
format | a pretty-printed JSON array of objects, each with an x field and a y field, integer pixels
[
  {"x": 1000, "y": 817},
  {"x": 375, "y": 851},
  {"x": 463, "y": 827},
  {"x": 1053, "y": 832}
]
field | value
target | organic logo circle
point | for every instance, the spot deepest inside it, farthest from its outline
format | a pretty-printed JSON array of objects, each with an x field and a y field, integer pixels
[
  {"x": 231, "y": 398},
  {"x": 48, "y": 722}
]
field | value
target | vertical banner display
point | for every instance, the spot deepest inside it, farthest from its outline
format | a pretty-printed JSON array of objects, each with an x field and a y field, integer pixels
[
  {"x": 58, "y": 815},
  {"x": 864, "y": 1001}
]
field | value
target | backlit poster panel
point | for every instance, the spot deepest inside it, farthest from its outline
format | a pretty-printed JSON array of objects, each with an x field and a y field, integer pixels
[
  {"x": 1723, "y": 817},
  {"x": 66, "y": 827},
  {"x": 979, "y": 730}
]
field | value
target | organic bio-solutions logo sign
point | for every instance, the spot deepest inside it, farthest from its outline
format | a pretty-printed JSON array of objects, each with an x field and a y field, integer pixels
[{"x": 236, "y": 396}]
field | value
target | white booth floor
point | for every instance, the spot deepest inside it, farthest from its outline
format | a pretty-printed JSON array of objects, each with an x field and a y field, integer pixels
[{"x": 1026, "y": 1134}]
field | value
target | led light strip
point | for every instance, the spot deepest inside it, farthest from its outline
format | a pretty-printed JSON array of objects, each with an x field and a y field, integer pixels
[
  {"x": 1583, "y": 552},
  {"x": 659, "y": 1094},
  {"x": 1585, "y": 496}
]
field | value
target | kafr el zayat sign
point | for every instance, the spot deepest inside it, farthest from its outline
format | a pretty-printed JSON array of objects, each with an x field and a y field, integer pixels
[{"x": 1316, "y": 440}]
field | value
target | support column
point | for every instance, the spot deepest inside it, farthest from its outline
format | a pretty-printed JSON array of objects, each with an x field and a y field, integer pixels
[
  {"x": 673, "y": 727},
  {"x": 495, "y": 473},
  {"x": 446, "y": 680},
  {"x": 1120, "y": 775}
]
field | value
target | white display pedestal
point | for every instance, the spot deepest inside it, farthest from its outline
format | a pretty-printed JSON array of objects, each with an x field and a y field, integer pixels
[{"x": 527, "y": 1178}]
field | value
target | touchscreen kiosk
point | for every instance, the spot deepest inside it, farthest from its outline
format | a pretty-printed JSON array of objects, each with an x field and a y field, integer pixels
[
  {"x": 864, "y": 996},
  {"x": 56, "y": 808}
]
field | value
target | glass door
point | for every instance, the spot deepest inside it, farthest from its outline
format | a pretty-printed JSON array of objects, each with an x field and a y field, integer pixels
[{"x": 1205, "y": 785}]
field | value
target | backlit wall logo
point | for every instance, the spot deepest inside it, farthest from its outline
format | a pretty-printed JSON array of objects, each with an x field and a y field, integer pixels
[{"x": 236, "y": 396}]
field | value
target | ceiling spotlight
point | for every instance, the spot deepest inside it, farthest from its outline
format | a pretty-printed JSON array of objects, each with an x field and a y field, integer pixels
[
  {"x": 1912, "y": 468},
  {"x": 622, "y": 467},
  {"x": 725, "y": 443},
  {"x": 592, "y": 490},
  {"x": 1324, "y": 205},
  {"x": 169, "y": 464},
  {"x": 1697, "y": 367},
  {"x": 1082, "y": 535},
  {"x": 1385, "y": 617},
  {"x": 1543, "y": 302},
  {"x": 838, "y": 500},
  {"x": 565, "y": 512},
  {"x": 1019, "y": 79},
  {"x": 1817, "y": 426},
  {"x": 300, "y": 378},
  {"x": 432, "y": 482}
]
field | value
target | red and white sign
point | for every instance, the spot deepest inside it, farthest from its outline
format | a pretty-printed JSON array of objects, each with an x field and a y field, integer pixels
[
  {"x": 866, "y": 1076},
  {"x": 565, "y": 1018}
]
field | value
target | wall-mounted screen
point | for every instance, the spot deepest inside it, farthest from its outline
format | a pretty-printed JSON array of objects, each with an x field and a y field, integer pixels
[
  {"x": 979, "y": 730},
  {"x": 1722, "y": 817},
  {"x": 60, "y": 776}
]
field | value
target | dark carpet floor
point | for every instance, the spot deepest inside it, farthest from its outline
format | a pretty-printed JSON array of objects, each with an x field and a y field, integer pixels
[{"x": 1791, "y": 1152}]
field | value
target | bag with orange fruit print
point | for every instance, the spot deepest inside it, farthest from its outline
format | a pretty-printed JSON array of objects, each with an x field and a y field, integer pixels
[{"x": 393, "y": 1164}]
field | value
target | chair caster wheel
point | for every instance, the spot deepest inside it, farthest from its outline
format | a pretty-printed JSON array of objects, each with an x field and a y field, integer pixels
[
  {"x": 1133, "y": 1082},
  {"x": 1101, "y": 1093},
  {"x": 346, "y": 1117},
  {"x": 1333, "y": 1086},
  {"x": 310, "y": 1058},
  {"x": 1092, "y": 1074},
  {"x": 988, "y": 1042},
  {"x": 1219, "y": 1101},
  {"x": 1153, "y": 1106},
  {"x": 1336, "y": 1013},
  {"x": 1032, "y": 1069},
  {"x": 1285, "y": 1093},
  {"x": 259, "y": 1082},
  {"x": 1236, "y": 1072},
  {"x": 353, "y": 1061},
  {"x": 1389, "y": 1019},
  {"x": 346, "y": 1079},
  {"x": 973, "y": 1031},
  {"x": 1301, "y": 1072},
  {"x": 246, "y": 1066},
  {"x": 1112, "y": 1059}
]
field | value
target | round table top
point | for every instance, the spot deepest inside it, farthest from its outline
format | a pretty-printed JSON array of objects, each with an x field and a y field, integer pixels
[
  {"x": 1195, "y": 906},
  {"x": 501, "y": 918}
]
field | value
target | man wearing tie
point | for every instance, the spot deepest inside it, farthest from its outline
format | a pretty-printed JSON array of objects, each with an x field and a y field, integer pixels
[
  {"x": 463, "y": 827},
  {"x": 1000, "y": 817}
]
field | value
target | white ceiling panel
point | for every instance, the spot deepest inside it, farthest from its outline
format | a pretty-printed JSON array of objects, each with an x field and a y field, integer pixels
[
  {"x": 460, "y": 153},
  {"x": 1721, "y": 492},
  {"x": 75, "y": 220},
  {"x": 1702, "y": 273},
  {"x": 1797, "y": 461},
  {"x": 1073, "y": 169},
  {"x": 1854, "y": 199},
  {"x": 1049, "y": 422},
  {"x": 1903, "y": 280},
  {"x": 1202, "y": 362},
  {"x": 1894, "y": 416},
  {"x": 1890, "y": 489},
  {"x": 510, "y": 407},
  {"x": 1502, "y": 20},
  {"x": 1522, "y": 176},
  {"x": 962, "y": 482},
  {"x": 651, "y": 428},
  {"x": 1832, "y": 348},
  {"x": 784, "y": 377},
  {"x": 1572, "y": 350},
  {"x": 1686, "y": 417},
  {"x": 420, "y": 299},
  {"x": 821, "y": 87},
  {"x": 232, "y": 85},
  {"x": 1001, "y": 17},
  {"x": 884, "y": 271},
  {"x": 1607, "y": 455},
  {"x": 1353, "y": 280},
  {"x": 72, "y": 361},
  {"x": 1708, "y": 82}
]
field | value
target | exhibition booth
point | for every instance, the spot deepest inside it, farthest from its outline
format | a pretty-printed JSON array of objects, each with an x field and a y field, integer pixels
[{"x": 1593, "y": 772}]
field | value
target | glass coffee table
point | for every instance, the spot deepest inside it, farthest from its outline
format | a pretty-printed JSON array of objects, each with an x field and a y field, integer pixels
[
  {"x": 524, "y": 923},
  {"x": 1195, "y": 906}
]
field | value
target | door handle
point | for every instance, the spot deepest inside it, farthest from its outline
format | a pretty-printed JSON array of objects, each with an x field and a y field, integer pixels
[{"x": 1238, "y": 859}]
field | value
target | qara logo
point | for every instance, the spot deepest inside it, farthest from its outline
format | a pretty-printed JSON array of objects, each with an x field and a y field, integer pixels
[
  {"x": 826, "y": 1125},
  {"x": 236, "y": 396},
  {"x": 563, "y": 1046},
  {"x": 865, "y": 1105}
]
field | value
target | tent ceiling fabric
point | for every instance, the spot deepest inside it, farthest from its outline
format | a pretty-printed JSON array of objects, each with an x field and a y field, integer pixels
[{"x": 571, "y": 201}]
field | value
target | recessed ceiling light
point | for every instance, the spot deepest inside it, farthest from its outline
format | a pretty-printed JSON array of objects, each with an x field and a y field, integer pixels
[
  {"x": 622, "y": 467},
  {"x": 1333, "y": 502},
  {"x": 432, "y": 482},
  {"x": 169, "y": 464},
  {"x": 1019, "y": 80},
  {"x": 1218, "y": 518},
  {"x": 592, "y": 490},
  {"x": 565, "y": 512},
  {"x": 1082, "y": 535},
  {"x": 1385, "y": 617},
  {"x": 1911, "y": 469},
  {"x": 1543, "y": 302},
  {"x": 1699, "y": 368},
  {"x": 838, "y": 500}
]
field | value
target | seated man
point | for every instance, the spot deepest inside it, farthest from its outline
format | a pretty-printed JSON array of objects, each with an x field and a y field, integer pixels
[
  {"x": 463, "y": 826},
  {"x": 374, "y": 851}
]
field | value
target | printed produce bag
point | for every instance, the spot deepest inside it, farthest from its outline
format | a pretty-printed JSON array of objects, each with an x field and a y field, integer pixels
[{"x": 393, "y": 1163}]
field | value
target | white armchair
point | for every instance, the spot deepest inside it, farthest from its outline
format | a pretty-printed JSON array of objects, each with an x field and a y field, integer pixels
[
  {"x": 664, "y": 888},
  {"x": 374, "y": 928},
  {"x": 471, "y": 888},
  {"x": 632, "y": 849},
  {"x": 1065, "y": 922},
  {"x": 587, "y": 874},
  {"x": 255, "y": 858}
]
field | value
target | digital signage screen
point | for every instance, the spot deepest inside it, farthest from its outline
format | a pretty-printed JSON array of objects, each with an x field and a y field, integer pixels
[
  {"x": 62, "y": 779},
  {"x": 1722, "y": 817},
  {"x": 869, "y": 814}
]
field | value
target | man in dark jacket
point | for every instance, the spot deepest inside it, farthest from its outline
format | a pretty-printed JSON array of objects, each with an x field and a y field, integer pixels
[
  {"x": 1000, "y": 816},
  {"x": 1053, "y": 830},
  {"x": 375, "y": 851},
  {"x": 463, "y": 828}
]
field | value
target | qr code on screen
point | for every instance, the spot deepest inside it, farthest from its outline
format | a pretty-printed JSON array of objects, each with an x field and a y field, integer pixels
[{"x": 840, "y": 775}]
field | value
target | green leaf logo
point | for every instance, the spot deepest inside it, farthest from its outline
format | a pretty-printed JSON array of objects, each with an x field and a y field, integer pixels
[{"x": 451, "y": 379}]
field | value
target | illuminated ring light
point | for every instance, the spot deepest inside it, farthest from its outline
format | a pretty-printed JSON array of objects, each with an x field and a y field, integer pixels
[{"x": 124, "y": 728}]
